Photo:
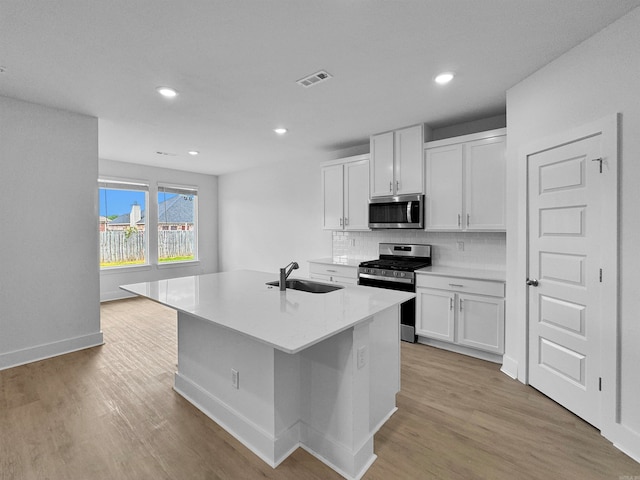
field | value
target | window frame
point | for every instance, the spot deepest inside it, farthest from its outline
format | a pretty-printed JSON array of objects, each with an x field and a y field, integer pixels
[
  {"x": 180, "y": 189},
  {"x": 113, "y": 183}
]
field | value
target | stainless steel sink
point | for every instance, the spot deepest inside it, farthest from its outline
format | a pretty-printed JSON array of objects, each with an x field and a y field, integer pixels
[{"x": 307, "y": 286}]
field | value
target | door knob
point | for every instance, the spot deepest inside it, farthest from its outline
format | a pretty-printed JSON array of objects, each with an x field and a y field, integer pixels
[{"x": 532, "y": 281}]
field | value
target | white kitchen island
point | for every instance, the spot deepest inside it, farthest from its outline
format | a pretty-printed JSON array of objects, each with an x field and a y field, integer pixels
[{"x": 317, "y": 371}]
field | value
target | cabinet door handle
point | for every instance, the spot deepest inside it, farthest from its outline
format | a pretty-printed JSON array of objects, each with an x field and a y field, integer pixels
[
  {"x": 468, "y": 220},
  {"x": 459, "y": 220},
  {"x": 460, "y": 303},
  {"x": 456, "y": 285},
  {"x": 397, "y": 185},
  {"x": 390, "y": 186},
  {"x": 332, "y": 271},
  {"x": 346, "y": 221},
  {"x": 450, "y": 303},
  {"x": 341, "y": 221}
]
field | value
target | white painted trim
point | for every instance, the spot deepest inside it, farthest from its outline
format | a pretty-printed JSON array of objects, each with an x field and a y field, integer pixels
[
  {"x": 498, "y": 132},
  {"x": 115, "y": 295},
  {"x": 340, "y": 161},
  {"x": 343, "y": 459},
  {"x": 256, "y": 439},
  {"x": 49, "y": 350},
  {"x": 608, "y": 127},
  {"x": 452, "y": 347},
  {"x": 509, "y": 366}
]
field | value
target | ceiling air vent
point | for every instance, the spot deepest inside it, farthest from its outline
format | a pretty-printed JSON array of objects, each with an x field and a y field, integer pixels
[{"x": 314, "y": 79}]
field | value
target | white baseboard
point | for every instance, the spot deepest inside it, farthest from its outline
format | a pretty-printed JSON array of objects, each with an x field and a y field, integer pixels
[
  {"x": 115, "y": 295},
  {"x": 509, "y": 367},
  {"x": 270, "y": 449},
  {"x": 274, "y": 450},
  {"x": 452, "y": 347},
  {"x": 49, "y": 350},
  {"x": 351, "y": 464}
]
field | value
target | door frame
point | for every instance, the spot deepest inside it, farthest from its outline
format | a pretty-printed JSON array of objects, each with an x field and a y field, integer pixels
[{"x": 608, "y": 127}]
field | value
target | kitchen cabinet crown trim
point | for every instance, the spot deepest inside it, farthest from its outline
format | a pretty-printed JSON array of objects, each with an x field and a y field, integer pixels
[
  {"x": 498, "y": 132},
  {"x": 340, "y": 161}
]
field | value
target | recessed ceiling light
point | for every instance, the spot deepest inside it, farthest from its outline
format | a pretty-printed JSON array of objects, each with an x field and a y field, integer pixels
[
  {"x": 444, "y": 78},
  {"x": 193, "y": 152},
  {"x": 280, "y": 131},
  {"x": 167, "y": 91}
]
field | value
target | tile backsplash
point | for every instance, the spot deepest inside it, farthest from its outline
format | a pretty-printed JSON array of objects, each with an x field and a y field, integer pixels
[{"x": 478, "y": 250}]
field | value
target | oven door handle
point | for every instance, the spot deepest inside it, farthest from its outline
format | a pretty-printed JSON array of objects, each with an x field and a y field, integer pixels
[
  {"x": 386, "y": 279},
  {"x": 409, "y": 212}
]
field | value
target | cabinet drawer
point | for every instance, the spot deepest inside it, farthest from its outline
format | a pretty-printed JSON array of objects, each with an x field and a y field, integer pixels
[
  {"x": 334, "y": 270},
  {"x": 462, "y": 285},
  {"x": 334, "y": 279}
]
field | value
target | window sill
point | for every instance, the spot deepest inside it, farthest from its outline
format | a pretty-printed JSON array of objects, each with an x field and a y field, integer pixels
[
  {"x": 124, "y": 269},
  {"x": 188, "y": 263}
]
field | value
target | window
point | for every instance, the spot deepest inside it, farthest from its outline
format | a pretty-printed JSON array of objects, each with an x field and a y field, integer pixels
[
  {"x": 123, "y": 223},
  {"x": 177, "y": 223}
]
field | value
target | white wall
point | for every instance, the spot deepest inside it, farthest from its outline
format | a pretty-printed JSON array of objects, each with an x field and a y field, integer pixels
[
  {"x": 49, "y": 287},
  {"x": 272, "y": 215},
  {"x": 112, "y": 278},
  {"x": 598, "y": 78}
]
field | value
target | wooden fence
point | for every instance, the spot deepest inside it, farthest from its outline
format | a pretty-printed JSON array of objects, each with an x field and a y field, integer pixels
[{"x": 117, "y": 246}]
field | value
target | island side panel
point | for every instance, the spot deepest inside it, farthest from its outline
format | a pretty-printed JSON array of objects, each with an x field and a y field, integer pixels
[
  {"x": 335, "y": 402},
  {"x": 288, "y": 401},
  {"x": 206, "y": 355},
  {"x": 384, "y": 357}
]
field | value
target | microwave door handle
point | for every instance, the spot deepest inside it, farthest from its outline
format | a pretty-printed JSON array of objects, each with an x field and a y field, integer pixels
[{"x": 409, "y": 212}]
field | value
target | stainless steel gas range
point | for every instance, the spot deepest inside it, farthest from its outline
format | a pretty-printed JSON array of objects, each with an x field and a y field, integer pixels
[{"x": 395, "y": 270}]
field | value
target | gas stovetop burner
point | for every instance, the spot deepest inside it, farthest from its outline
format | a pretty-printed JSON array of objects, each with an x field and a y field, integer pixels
[{"x": 404, "y": 265}]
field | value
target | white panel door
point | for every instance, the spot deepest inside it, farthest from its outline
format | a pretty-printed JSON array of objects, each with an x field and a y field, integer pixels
[
  {"x": 435, "y": 314},
  {"x": 444, "y": 188},
  {"x": 382, "y": 153},
  {"x": 564, "y": 275},
  {"x": 485, "y": 181},
  {"x": 356, "y": 195},
  {"x": 409, "y": 145},
  {"x": 332, "y": 195}
]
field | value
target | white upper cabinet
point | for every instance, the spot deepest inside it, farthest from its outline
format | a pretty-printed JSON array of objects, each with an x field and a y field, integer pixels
[
  {"x": 345, "y": 194},
  {"x": 381, "y": 168},
  {"x": 444, "y": 188},
  {"x": 485, "y": 184},
  {"x": 396, "y": 162},
  {"x": 356, "y": 195},
  {"x": 466, "y": 183},
  {"x": 333, "y": 201}
]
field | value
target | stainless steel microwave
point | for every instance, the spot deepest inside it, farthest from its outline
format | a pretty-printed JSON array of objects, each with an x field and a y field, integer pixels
[{"x": 402, "y": 211}]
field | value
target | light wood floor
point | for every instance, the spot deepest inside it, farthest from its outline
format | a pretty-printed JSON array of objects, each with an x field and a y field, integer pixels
[{"x": 110, "y": 413}]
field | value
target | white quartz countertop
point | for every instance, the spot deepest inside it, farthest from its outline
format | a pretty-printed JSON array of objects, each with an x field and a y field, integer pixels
[
  {"x": 460, "y": 272},
  {"x": 289, "y": 321},
  {"x": 347, "y": 262}
]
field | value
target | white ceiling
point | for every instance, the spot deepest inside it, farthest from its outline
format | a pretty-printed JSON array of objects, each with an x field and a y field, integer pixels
[{"x": 236, "y": 62}]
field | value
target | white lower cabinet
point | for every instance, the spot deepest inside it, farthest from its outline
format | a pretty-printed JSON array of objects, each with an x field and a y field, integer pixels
[
  {"x": 327, "y": 272},
  {"x": 463, "y": 312}
]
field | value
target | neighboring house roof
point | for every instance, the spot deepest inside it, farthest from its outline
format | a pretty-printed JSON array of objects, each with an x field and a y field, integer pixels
[{"x": 177, "y": 209}]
